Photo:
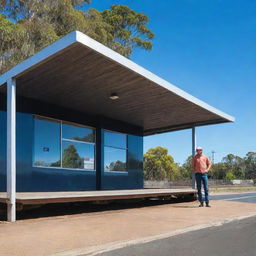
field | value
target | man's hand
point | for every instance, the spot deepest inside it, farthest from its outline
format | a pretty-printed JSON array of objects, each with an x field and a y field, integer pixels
[{"x": 208, "y": 169}]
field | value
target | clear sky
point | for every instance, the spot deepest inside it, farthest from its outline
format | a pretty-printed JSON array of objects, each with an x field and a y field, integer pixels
[{"x": 207, "y": 48}]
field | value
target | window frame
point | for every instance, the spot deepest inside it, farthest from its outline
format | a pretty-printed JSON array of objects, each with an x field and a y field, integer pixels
[
  {"x": 61, "y": 142},
  {"x": 126, "y": 149}
]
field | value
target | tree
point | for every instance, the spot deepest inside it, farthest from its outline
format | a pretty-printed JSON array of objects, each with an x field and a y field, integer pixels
[
  {"x": 22, "y": 9},
  {"x": 250, "y": 165},
  {"x": 12, "y": 47},
  {"x": 219, "y": 171},
  {"x": 186, "y": 169},
  {"x": 159, "y": 165},
  {"x": 38, "y": 23},
  {"x": 117, "y": 166},
  {"x": 90, "y": 137},
  {"x": 229, "y": 176},
  {"x": 71, "y": 158},
  {"x": 236, "y": 165},
  {"x": 128, "y": 29}
]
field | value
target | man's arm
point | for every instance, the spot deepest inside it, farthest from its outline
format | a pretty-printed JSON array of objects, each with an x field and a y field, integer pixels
[{"x": 209, "y": 165}]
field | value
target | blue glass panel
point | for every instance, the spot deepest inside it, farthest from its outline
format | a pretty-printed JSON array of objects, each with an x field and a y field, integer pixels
[
  {"x": 74, "y": 132},
  {"x": 115, "y": 159},
  {"x": 77, "y": 155},
  {"x": 114, "y": 139},
  {"x": 46, "y": 143}
]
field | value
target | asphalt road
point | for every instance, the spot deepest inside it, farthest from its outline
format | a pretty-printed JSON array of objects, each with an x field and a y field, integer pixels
[
  {"x": 237, "y": 238},
  {"x": 242, "y": 197}
]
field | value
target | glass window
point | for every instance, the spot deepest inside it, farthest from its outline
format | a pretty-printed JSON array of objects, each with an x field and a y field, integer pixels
[
  {"x": 73, "y": 132},
  {"x": 114, "y": 159},
  {"x": 89, "y": 161},
  {"x": 78, "y": 148},
  {"x": 47, "y": 143},
  {"x": 115, "y": 151},
  {"x": 77, "y": 155},
  {"x": 77, "y": 145},
  {"x": 114, "y": 139}
]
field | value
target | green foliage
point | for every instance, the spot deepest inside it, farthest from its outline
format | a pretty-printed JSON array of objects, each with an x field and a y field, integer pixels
[
  {"x": 38, "y": 23},
  {"x": 117, "y": 166},
  {"x": 128, "y": 29},
  {"x": 229, "y": 176},
  {"x": 241, "y": 168},
  {"x": 12, "y": 46},
  {"x": 186, "y": 169},
  {"x": 71, "y": 158},
  {"x": 90, "y": 137},
  {"x": 159, "y": 165},
  {"x": 250, "y": 163},
  {"x": 219, "y": 171},
  {"x": 22, "y": 9}
]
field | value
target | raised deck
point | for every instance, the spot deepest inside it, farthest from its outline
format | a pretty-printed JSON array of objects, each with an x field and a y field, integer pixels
[{"x": 29, "y": 198}]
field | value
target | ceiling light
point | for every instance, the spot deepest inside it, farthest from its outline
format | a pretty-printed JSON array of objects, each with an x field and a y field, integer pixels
[{"x": 114, "y": 96}]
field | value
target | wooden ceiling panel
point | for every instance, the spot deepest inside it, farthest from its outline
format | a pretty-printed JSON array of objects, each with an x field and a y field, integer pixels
[{"x": 82, "y": 79}]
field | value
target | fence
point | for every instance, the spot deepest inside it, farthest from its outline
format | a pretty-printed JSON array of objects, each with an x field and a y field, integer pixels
[{"x": 187, "y": 183}]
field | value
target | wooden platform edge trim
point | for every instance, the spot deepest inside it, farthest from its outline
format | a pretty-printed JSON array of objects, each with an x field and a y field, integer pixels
[{"x": 96, "y": 198}]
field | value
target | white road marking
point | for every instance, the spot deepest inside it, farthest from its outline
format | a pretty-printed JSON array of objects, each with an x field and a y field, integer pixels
[{"x": 236, "y": 198}]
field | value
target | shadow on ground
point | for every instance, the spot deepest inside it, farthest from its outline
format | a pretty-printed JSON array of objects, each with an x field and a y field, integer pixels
[{"x": 61, "y": 209}]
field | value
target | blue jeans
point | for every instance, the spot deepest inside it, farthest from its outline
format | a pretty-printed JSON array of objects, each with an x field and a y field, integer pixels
[{"x": 202, "y": 177}]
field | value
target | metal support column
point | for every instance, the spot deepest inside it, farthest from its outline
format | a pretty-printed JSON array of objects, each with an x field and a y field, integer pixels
[
  {"x": 99, "y": 157},
  {"x": 193, "y": 153},
  {"x": 11, "y": 149}
]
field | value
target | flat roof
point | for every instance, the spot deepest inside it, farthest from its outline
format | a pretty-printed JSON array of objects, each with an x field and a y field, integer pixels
[{"x": 80, "y": 73}]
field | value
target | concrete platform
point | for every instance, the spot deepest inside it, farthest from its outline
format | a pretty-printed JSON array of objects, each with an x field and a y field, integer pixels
[{"x": 29, "y": 198}]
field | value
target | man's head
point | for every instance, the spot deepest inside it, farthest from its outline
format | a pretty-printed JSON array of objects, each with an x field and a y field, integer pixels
[{"x": 199, "y": 150}]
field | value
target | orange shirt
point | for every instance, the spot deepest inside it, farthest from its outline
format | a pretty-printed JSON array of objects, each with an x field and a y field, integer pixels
[{"x": 200, "y": 163}]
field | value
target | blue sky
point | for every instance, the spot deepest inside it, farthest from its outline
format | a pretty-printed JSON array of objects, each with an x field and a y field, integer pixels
[{"x": 207, "y": 48}]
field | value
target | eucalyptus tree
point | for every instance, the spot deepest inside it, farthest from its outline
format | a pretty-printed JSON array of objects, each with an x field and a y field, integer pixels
[
  {"x": 160, "y": 165},
  {"x": 28, "y": 26}
]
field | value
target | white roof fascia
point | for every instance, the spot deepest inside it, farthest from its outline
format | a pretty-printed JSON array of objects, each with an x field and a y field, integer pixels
[{"x": 77, "y": 36}]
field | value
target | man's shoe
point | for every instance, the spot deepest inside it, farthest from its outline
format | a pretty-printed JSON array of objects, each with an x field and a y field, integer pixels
[
  {"x": 201, "y": 204},
  {"x": 207, "y": 205}
]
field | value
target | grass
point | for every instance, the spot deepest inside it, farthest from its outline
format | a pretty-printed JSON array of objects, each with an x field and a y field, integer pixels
[{"x": 232, "y": 189}]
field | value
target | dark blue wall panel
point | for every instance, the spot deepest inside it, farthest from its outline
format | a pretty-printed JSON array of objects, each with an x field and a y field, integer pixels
[
  {"x": 33, "y": 179},
  {"x": 134, "y": 177}
]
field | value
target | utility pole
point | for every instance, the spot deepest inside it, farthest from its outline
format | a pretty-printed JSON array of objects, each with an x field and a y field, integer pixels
[{"x": 213, "y": 154}]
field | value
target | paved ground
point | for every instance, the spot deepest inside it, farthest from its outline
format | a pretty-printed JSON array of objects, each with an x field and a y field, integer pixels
[
  {"x": 233, "y": 239},
  {"x": 91, "y": 232},
  {"x": 237, "y": 238}
]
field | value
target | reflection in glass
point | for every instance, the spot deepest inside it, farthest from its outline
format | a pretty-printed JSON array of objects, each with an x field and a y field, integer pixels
[
  {"x": 77, "y": 155},
  {"x": 73, "y": 132},
  {"x": 46, "y": 143},
  {"x": 78, "y": 147},
  {"x": 89, "y": 157},
  {"x": 114, "y": 159},
  {"x": 72, "y": 155},
  {"x": 114, "y": 139}
]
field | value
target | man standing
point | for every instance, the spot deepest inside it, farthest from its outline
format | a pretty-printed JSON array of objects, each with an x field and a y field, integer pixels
[{"x": 201, "y": 165}]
